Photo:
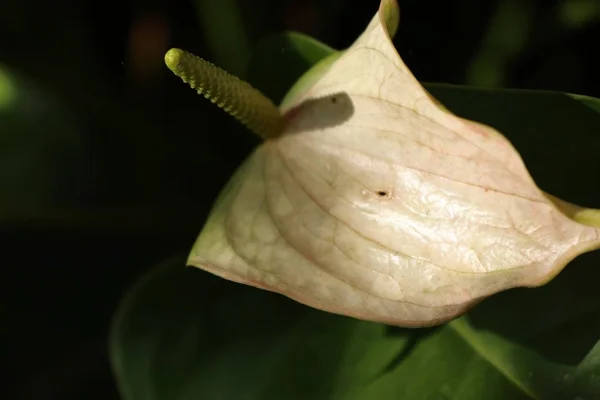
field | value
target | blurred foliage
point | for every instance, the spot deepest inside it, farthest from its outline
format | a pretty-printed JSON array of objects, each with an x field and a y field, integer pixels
[{"x": 109, "y": 163}]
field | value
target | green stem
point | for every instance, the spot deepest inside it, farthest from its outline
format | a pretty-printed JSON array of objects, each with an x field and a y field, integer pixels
[
  {"x": 223, "y": 28},
  {"x": 504, "y": 40}
]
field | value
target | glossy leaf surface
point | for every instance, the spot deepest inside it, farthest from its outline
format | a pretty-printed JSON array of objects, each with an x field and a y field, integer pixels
[{"x": 182, "y": 334}]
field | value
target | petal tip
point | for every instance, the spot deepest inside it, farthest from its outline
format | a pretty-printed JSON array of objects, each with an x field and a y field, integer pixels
[{"x": 390, "y": 16}]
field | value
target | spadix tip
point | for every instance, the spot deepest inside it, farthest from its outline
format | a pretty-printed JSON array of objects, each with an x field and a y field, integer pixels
[{"x": 173, "y": 58}]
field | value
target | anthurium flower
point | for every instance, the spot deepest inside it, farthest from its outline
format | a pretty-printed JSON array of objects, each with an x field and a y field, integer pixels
[{"x": 371, "y": 200}]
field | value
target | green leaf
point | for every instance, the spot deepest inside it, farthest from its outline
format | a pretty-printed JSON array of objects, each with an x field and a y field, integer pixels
[
  {"x": 223, "y": 28},
  {"x": 183, "y": 334},
  {"x": 179, "y": 334}
]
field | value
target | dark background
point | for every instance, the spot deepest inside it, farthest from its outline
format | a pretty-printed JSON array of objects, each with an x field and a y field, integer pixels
[{"x": 109, "y": 164}]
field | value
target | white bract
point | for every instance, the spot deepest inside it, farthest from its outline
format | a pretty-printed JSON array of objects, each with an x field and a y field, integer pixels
[{"x": 379, "y": 204}]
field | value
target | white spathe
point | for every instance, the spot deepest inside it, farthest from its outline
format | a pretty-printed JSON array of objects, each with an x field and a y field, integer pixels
[{"x": 401, "y": 213}]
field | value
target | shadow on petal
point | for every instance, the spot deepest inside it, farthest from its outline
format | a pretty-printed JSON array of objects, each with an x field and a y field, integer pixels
[{"x": 319, "y": 113}]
